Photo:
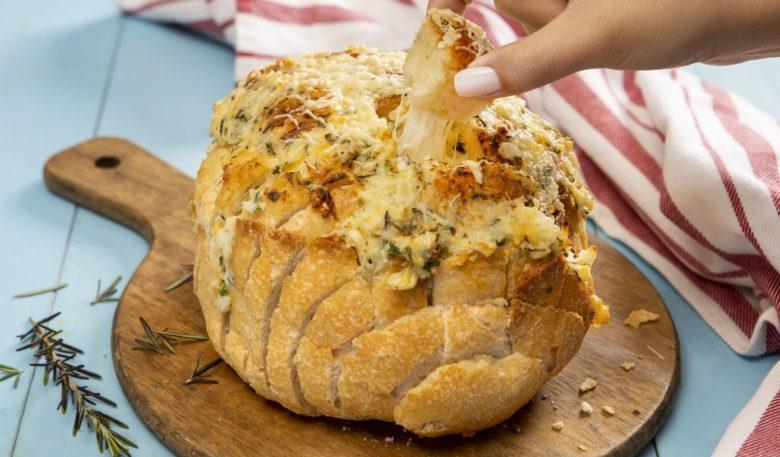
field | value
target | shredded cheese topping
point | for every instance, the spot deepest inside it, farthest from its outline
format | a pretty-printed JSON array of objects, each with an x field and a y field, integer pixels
[{"x": 329, "y": 125}]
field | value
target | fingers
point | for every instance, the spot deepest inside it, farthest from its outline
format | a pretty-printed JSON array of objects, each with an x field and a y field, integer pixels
[
  {"x": 457, "y": 6},
  {"x": 556, "y": 50},
  {"x": 533, "y": 14}
]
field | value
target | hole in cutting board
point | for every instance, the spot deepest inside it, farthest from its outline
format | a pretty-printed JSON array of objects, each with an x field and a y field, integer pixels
[{"x": 107, "y": 162}]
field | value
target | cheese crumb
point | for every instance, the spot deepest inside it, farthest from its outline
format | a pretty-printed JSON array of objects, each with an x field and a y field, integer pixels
[
  {"x": 389, "y": 439},
  {"x": 608, "y": 410},
  {"x": 586, "y": 408},
  {"x": 558, "y": 426},
  {"x": 627, "y": 366},
  {"x": 588, "y": 384},
  {"x": 582, "y": 448},
  {"x": 639, "y": 317}
]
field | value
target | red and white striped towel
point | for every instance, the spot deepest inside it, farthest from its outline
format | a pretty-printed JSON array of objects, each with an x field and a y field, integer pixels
[{"x": 683, "y": 172}]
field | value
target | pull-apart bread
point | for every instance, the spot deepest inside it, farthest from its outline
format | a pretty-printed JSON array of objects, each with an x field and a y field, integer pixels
[{"x": 372, "y": 246}]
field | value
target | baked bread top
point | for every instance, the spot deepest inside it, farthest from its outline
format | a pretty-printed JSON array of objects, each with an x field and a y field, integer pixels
[
  {"x": 321, "y": 131},
  {"x": 370, "y": 249}
]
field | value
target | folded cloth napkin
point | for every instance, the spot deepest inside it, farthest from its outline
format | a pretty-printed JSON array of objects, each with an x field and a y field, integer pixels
[{"x": 683, "y": 172}]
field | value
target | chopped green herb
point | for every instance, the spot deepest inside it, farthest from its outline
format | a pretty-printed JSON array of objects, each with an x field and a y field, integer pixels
[
  {"x": 392, "y": 250},
  {"x": 223, "y": 291}
]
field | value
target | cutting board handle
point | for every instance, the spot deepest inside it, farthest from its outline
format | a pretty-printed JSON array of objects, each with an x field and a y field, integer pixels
[{"x": 120, "y": 180}]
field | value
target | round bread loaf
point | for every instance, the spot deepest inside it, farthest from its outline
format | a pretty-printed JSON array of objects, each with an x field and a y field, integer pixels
[{"x": 437, "y": 289}]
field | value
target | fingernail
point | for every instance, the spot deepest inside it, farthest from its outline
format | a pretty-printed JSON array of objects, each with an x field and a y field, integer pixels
[{"x": 477, "y": 81}]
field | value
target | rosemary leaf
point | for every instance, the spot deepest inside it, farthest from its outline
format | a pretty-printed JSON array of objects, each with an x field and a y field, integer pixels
[
  {"x": 39, "y": 324},
  {"x": 198, "y": 373},
  {"x": 10, "y": 372},
  {"x": 186, "y": 277},
  {"x": 166, "y": 343},
  {"x": 106, "y": 295},
  {"x": 209, "y": 366},
  {"x": 182, "y": 336},
  {"x": 150, "y": 335},
  {"x": 168, "y": 339},
  {"x": 202, "y": 380},
  {"x": 45, "y": 290}
]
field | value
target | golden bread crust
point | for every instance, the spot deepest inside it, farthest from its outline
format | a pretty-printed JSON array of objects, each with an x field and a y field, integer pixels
[{"x": 338, "y": 277}]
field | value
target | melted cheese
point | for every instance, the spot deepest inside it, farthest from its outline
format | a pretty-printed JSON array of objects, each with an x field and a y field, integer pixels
[
  {"x": 400, "y": 216},
  {"x": 582, "y": 262},
  {"x": 424, "y": 135},
  {"x": 599, "y": 310}
]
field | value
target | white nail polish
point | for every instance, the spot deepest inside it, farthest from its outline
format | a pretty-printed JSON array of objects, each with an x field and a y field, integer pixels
[{"x": 477, "y": 81}]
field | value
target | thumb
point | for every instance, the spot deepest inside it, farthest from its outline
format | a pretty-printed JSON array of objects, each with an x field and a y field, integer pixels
[{"x": 556, "y": 50}]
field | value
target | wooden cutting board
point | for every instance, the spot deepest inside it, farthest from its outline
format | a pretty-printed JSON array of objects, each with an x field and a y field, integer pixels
[{"x": 122, "y": 181}]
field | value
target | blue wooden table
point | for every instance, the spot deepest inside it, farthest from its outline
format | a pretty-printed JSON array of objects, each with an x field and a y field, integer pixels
[{"x": 70, "y": 70}]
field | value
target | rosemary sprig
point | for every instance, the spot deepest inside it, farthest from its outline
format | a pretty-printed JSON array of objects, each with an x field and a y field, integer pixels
[
  {"x": 106, "y": 295},
  {"x": 10, "y": 372},
  {"x": 198, "y": 375},
  {"x": 184, "y": 278},
  {"x": 58, "y": 357},
  {"x": 45, "y": 290},
  {"x": 152, "y": 339}
]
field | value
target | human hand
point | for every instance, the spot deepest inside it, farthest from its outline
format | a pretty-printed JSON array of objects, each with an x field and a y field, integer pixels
[{"x": 569, "y": 36}]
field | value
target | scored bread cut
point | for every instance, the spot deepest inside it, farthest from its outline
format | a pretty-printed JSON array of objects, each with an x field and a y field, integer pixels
[{"x": 372, "y": 246}]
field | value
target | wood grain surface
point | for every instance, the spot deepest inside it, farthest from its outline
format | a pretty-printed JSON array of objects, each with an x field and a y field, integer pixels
[{"x": 120, "y": 180}]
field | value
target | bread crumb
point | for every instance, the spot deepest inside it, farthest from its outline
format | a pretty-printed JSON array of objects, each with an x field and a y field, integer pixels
[
  {"x": 558, "y": 426},
  {"x": 409, "y": 443},
  {"x": 588, "y": 384},
  {"x": 582, "y": 448},
  {"x": 345, "y": 428},
  {"x": 608, "y": 409},
  {"x": 640, "y": 357},
  {"x": 627, "y": 366},
  {"x": 555, "y": 408},
  {"x": 636, "y": 412},
  {"x": 389, "y": 439},
  {"x": 544, "y": 397},
  {"x": 586, "y": 409},
  {"x": 639, "y": 317}
]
